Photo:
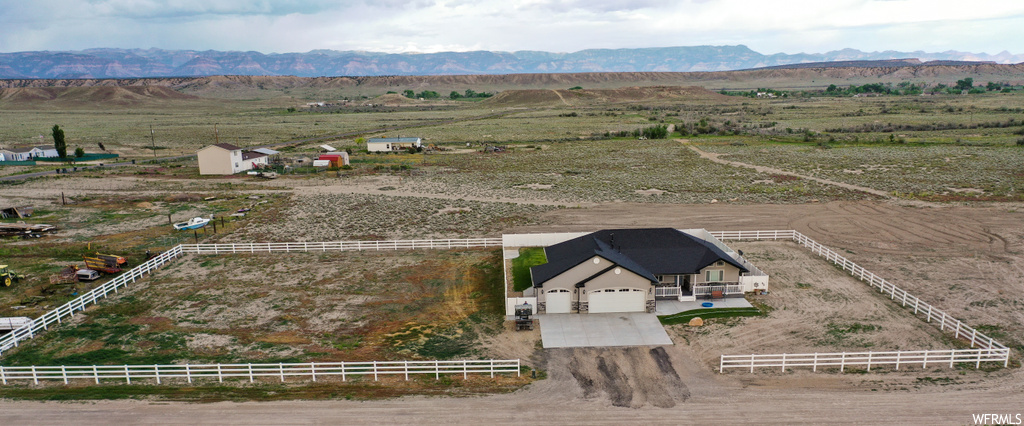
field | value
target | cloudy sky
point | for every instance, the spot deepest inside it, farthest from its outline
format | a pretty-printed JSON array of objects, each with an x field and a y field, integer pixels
[{"x": 767, "y": 26}]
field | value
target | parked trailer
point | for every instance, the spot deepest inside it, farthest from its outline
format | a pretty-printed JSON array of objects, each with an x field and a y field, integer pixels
[{"x": 103, "y": 263}]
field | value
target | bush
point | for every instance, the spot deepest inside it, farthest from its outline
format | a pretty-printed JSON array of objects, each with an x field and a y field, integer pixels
[{"x": 79, "y": 152}]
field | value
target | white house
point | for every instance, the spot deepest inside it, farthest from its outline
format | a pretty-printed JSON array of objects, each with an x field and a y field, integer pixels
[
  {"x": 27, "y": 153},
  {"x": 227, "y": 159},
  {"x": 392, "y": 144}
]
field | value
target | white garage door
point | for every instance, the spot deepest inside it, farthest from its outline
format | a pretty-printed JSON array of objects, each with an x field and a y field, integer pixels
[
  {"x": 617, "y": 300},
  {"x": 558, "y": 301}
]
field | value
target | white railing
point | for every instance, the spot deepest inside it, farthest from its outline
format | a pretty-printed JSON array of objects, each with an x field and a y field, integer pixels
[
  {"x": 340, "y": 246},
  {"x": 55, "y": 316},
  {"x": 945, "y": 321},
  {"x": 842, "y": 360},
  {"x": 669, "y": 291},
  {"x": 303, "y": 371},
  {"x": 705, "y": 290}
]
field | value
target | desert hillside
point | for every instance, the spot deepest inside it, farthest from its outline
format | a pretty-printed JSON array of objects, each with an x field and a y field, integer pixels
[{"x": 328, "y": 87}]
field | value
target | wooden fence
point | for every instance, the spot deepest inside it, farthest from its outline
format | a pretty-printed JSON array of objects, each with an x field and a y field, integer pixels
[
  {"x": 302, "y": 371},
  {"x": 842, "y": 360}
]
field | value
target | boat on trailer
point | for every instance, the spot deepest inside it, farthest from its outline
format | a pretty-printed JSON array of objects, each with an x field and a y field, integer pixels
[{"x": 194, "y": 223}]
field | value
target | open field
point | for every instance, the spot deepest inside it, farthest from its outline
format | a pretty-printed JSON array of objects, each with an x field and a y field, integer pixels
[{"x": 951, "y": 234}]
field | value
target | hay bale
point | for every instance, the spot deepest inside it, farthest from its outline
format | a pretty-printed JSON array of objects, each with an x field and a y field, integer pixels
[{"x": 696, "y": 322}]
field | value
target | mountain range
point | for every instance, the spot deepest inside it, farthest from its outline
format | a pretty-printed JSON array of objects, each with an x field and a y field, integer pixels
[{"x": 146, "y": 63}]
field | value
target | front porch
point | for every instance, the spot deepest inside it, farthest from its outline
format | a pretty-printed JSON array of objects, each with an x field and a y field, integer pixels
[{"x": 690, "y": 293}]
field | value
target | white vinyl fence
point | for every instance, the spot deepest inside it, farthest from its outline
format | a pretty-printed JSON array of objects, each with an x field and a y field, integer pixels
[
  {"x": 989, "y": 349},
  {"x": 55, "y": 316},
  {"x": 300, "y": 371},
  {"x": 340, "y": 246},
  {"x": 842, "y": 360}
]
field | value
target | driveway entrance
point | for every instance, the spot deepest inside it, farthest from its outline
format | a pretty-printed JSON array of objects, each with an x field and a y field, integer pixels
[{"x": 595, "y": 330}]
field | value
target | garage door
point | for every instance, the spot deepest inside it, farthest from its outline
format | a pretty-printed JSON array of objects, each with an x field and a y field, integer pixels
[
  {"x": 617, "y": 300},
  {"x": 558, "y": 301}
]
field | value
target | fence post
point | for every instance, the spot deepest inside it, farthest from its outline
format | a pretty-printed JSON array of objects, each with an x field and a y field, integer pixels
[
  {"x": 375, "y": 371},
  {"x": 64, "y": 374},
  {"x": 815, "y": 368},
  {"x": 721, "y": 363},
  {"x": 783, "y": 363},
  {"x": 973, "y": 336},
  {"x": 312, "y": 370},
  {"x": 3, "y": 374},
  {"x": 465, "y": 373},
  {"x": 924, "y": 364},
  {"x": 220, "y": 377},
  {"x": 188, "y": 373},
  {"x": 407, "y": 370},
  {"x": 842, "y": 363},
  {"x": 127, "y": 375},
  {"x": 280, "y": 367},
  {"x": 869, "y": 360},
  {"x": 156, "y": 372},
  {"x": 978, "y": 365},
  {"x": 250, "y": 373},
  {"x": 898, "y": 353},
  {"x": 96, "y": 374},
  {"x": 343, "y": 371}
]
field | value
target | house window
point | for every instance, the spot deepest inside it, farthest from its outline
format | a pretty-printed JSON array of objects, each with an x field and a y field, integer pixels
[
  {"x": 712, "y": 276},
  {"x": 719, "y": 263}
]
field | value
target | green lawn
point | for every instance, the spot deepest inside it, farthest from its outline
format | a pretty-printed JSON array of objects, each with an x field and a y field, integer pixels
[
  {"x": 528, "y": 256},
  {"x": 685, "y": 317}
]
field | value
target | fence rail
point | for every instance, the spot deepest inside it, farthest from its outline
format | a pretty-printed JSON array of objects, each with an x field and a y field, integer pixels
[
  {"x": 842, "y": 360},
  {"x": 340, "y": 246},
  {"x": 930, "y": 313},
  {"x": 281, "y": 371},
  {"x": 68, "y": 309}
]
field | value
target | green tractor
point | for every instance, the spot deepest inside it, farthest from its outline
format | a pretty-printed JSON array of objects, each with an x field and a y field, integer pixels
[{"x": 8, "y": 277}]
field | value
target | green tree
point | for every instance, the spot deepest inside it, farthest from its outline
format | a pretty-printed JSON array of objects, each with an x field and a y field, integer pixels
[
  {"x": 470, "y": 93},
  {"x": 58, "y": 142},
  {"x": 965, "y": 84},
  {"x": 79, "y": 152},
  {"x": 832, "y": 88},
  {"x": 454, "y": 95},
  {"x": 409, "y": 93}
]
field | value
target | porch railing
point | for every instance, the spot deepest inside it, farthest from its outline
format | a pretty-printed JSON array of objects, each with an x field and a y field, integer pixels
[
  {"x": 667, "y": 291},
  {"x": 725, "y": 288}
]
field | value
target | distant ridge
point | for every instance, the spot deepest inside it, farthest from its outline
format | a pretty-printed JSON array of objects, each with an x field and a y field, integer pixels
[
  {"x": 908, "y": 62},
  {"x": 149, "y": 63}
]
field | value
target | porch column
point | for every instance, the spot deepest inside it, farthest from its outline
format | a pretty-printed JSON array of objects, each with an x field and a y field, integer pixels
[{"x": 679, "y": 288}]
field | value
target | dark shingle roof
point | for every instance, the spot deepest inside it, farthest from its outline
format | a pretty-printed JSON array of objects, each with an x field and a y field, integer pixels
[
  {"x": 227, "y": 146},
  {"x": 647, "y": 252}
]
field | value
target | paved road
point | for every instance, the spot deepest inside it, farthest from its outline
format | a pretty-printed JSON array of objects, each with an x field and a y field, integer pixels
[{"x": 271, "y": 145}]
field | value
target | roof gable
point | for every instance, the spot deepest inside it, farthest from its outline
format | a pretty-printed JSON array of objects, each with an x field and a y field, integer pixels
[{"x": 646, "y": 252}]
